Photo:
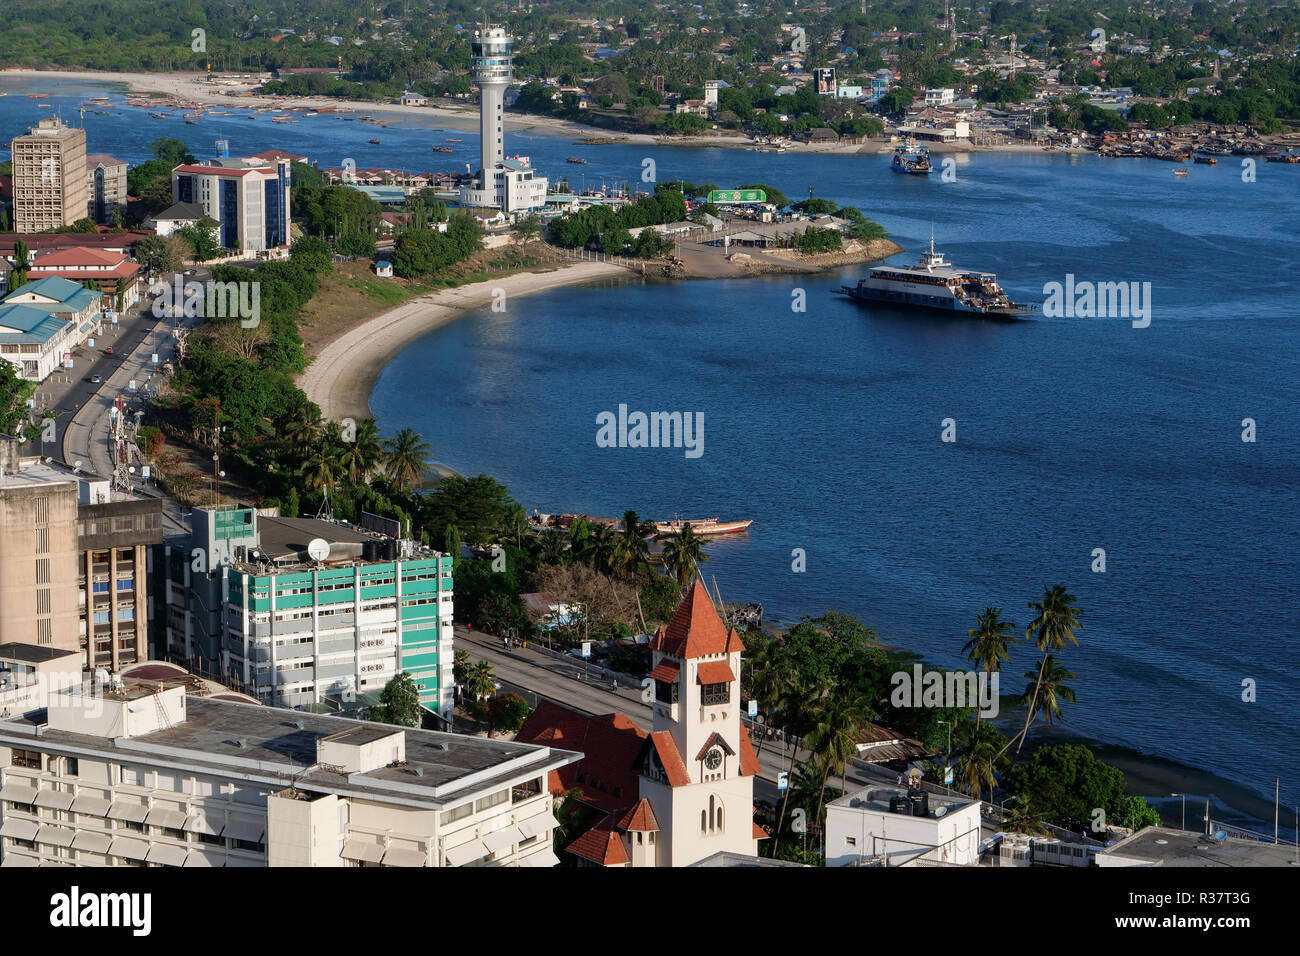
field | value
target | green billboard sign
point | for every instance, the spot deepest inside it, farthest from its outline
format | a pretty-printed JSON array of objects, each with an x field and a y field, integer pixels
[{"x": 737, "y": 195}]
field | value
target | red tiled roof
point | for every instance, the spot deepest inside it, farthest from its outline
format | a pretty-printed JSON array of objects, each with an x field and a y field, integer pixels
[
  {"x": 36, "y": 241},
  {"x": 715, "y": 672},
  {"x": 666, "y": 670},
  {"x": 79, "y": 257},
  {"x": 611, "y": 745},
  {"x": 760, "y": 833},
  {"x": 641, "y": 817},
  {"x": 601, "y": 845},
  {"x": 748, "y": 759},
  {"x": 274, "y": 154},
  {"x": 696, "y": 630},
  {"x": 674, "y": 767},
  {"x": 124, "y": 271}
]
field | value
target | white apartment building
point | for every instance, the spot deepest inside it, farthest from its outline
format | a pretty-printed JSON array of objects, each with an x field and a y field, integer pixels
[
  {"x": 144, "y": 775},
  {"x": 247, "y": 198},
  {"x": 895, "y": 826},
  {"x": 940, "y": 97}
]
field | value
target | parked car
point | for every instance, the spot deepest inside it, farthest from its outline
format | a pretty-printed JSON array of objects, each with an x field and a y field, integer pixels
[
  {"x": 96, "y": 379},
  {"x": 109, "y": 350}
]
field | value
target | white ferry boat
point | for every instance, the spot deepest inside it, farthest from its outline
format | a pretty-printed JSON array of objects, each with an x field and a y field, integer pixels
[{"x": 934, "y": 283}]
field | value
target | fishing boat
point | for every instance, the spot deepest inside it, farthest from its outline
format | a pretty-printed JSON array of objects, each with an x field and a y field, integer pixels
[
  {"x": 912, "y": 159},
  {"x": 193, "y": 115},
  {"x": 1180, "y": 172},
  {"x": 37, "y": 96},
  {"x": 42, "y": 106},
  {"x": 373, "y": 142},
  {"x": 1292, "y": 158},
  {"x": 191, "y": 122},
  {"x": 576, "y": 160},
  {"x": 934, "y": 283},
  {"x": 704, "y": 526},
  {"x": 442, "y": 149},
  {"x": 1205, "y": 160},
  {"x": 455, "y": 140}
]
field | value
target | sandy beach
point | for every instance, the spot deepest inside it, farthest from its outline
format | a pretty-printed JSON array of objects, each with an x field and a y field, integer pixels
[
  {"x": 193, "y": 89},
  {"x": 343, "y": 374}
]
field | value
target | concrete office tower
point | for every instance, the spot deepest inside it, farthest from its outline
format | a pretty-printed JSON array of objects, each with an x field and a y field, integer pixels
[
  {"x": 49, "y": 177},
  {"x": 493, "y": 70}
]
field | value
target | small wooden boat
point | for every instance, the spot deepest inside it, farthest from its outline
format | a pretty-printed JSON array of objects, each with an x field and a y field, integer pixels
[
  {"x": 373, "y": 142},
  {"x": 576, "y": 160},
  {"x": 706, "y": 526},
  {"x": 442, "y": 149},
  {"x": 1180, "y": 172},
  {"x": 455, "y": 140},
  {"x": 1205, "y": 160},
  {"x": 1292, "y": 158}
]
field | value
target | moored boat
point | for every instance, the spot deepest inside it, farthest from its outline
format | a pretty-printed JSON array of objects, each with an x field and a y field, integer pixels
[
  {"x": 1205, "y": 160},
  {"x": 1180, "y": 172},
  {"x": 576, "y": 160},
  {"x": 705, "y": 526}
]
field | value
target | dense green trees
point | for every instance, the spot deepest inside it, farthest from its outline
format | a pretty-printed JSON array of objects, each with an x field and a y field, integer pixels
[
  {"x": 399, "y": 703},
  {"x": 427, "y": 252},
  {"x": 610, "y": 229}
]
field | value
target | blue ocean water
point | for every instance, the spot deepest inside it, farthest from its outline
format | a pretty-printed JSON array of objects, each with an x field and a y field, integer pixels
[{"x": 824, "y": 426}]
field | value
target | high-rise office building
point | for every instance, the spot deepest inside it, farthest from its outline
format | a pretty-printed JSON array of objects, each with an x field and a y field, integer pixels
[
  {"x": 247, "y": 198},
  {"x": 75, "y": 562},
  {"x": 300, "y": 612},
  {"x": 49, "y": 177}
]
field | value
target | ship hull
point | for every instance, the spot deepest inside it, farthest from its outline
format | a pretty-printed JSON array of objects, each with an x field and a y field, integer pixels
[
  {"x": 931, "y": 303},
  {"x": 702, "y": 528}
]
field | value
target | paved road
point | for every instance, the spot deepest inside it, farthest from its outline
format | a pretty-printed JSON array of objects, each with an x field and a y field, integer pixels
[{"x": 82, "y": 406}]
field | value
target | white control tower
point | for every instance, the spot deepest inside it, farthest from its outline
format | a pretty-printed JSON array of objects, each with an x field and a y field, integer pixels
[{"x": 492, "y": 71}]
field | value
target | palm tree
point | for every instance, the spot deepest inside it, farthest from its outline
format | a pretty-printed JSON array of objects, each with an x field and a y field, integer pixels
[
  {"x": 361, "y": 455},
  {"x": 978, "y": 765},
  {"x": 767, "y": 675},
  {"x": 322, "y": 468},
  {"x": 633, "y": 548},
  {"x": 300, "y": 433},
  {"x": 1055, "y": 621},
  {"x": 989, "y": 640},
  {"x": 551, "y": 545},
  {"x": 833, "y": 735},
  {"x": 602, "y": 548},
  {"x": 1051, "y": 689},
  {"x": 406, "y": 457},
  {"x": 1024, "y": 817},
  {"x": 683, "y": 554},
  {"x": 479, "y": 680}
]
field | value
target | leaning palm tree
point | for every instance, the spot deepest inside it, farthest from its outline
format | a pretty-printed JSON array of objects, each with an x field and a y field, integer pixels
[
  {"x": 988, "y": 644},
  {"x": 1051, "y": 689},
  {"x": 683, "y": 554},
  {"x": 1055, "y": 621},
  {"x": 406, "y": 457},
  {"x": 767, "y": 675}
]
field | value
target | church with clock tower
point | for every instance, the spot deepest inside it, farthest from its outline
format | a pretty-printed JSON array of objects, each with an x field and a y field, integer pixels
[{"x": 685, "y": 790}]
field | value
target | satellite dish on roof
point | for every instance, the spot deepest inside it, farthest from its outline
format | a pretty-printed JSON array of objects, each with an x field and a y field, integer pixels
[{"x": 318, "y": 549}]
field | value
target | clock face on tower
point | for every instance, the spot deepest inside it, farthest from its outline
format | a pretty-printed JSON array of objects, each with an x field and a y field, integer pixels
[{"x": 713, "y": 759}]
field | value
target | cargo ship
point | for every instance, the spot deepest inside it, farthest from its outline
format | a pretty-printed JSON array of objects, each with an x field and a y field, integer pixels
[
  {"x": 702, "y": 527},
  {"x": 934, "y": 283}
]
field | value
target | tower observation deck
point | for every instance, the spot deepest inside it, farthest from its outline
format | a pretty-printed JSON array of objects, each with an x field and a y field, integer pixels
[{"x": 492, "y": 70}]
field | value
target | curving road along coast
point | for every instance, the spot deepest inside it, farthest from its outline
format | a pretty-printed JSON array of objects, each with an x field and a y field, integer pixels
[{"x": 343, "y": 374}]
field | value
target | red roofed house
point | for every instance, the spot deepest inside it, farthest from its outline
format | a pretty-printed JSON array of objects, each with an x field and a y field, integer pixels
[
  {"x": 99, "y": 266},
  {"x": 683, "y": 792}
]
